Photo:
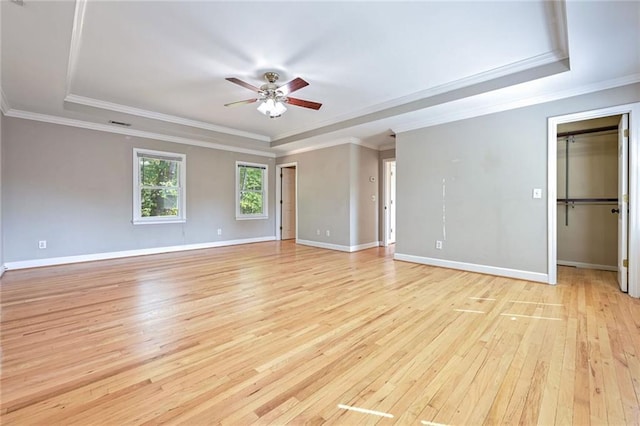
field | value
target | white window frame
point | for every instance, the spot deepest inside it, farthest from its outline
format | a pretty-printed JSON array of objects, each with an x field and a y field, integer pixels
[
  {"x": 265, "y": 191},
  {"x": 138, "y": 219}
]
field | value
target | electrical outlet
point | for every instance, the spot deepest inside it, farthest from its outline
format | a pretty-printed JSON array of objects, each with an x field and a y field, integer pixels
[
  {"x": 42, "y": 244},
  {"x": 317, "y": 232},
  {"x": 328, "y": 233},
  {"x": 439, "y": 244},
  {"x": 219, "y": 231}
]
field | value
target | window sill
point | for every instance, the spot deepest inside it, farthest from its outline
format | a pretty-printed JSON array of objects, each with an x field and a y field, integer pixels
[
  {"x": 251, "y": 217},
  {"x": 157, "y": 221}
]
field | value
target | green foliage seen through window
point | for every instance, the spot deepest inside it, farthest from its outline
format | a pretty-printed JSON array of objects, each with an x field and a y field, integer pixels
[
  {"x": 159, "y": 187},
  {"x": 251, "y": 191}
]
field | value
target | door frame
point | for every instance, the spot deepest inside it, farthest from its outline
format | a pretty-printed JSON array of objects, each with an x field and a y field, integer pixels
[
  {"x": 633, "y": 110},
  {"x": 385, "y": 200},
  {"x": 623, "y": 214},
  {"x": 279, "y": 168}
]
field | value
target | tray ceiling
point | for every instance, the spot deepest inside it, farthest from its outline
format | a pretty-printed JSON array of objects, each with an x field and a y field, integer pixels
[{"x": 161, "y": 65}]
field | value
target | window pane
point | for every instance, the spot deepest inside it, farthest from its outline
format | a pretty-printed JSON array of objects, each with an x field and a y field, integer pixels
[
  {"x": 250, "y": 178},
  {"x": 156, "y": 172},
  {"x": 159, "y": 202},
  {"x": 251, "y": 202}
]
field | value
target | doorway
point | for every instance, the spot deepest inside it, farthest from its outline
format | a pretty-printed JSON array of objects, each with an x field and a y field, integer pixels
[
  {"x": 286, "y": 199},
  {"x": 389, "y": 202},
  {"x": 588, "y": 211},
  {"x": 616, "y": 201}
]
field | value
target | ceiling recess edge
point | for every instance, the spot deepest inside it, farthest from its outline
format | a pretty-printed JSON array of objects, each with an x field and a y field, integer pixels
[
  {"x": 132, "y": 132},
  {"x": 76, "y": 39},
  {"x": 518, "y": 103},
  {"x": 111, "y": 106}
]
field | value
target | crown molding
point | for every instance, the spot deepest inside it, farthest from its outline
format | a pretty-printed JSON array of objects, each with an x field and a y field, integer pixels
[
  {"x": 322, "y": 145},
  {"x": 97, "y": 103},
  {"x": 329, "y": 144},
  {"x": 131, "y": 132},
  {"x": 506, "y": 70},
  {"x": 4, "y": 103},
  {"x": 519, "y": 103},
  {"x": 368, "y": 145},
  {"x": 387, "y": 146},
  {"x": 492, "y": 74}
]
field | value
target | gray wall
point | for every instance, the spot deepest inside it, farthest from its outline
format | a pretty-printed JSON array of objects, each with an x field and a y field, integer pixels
[
  {"x": 1, "y": 126},
  {"x": 323, "y": 194},
  {"x": 1, "y": 234},
  {"x": 73, "y": 187},
  {"x": 364, "y": 195},
  {"x": 334, "y": 194},
  {"x": 489, "y": 166}
]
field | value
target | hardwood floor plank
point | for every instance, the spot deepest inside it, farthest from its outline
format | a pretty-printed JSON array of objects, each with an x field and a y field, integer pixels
[
  {"x": 613, "y": 403},
  {"x": 597, "y": 403},
  {"x": 564, "y": 412},
  {"x": 551, "y": 393}
]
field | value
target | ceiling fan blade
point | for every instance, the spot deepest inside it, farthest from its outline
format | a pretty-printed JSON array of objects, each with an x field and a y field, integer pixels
[
  {"x": 248, "y": 101},
  {"x": 293, "y": 85},
  {"x": 303, "y": 103},
  {"x": 243, "y": 84}
]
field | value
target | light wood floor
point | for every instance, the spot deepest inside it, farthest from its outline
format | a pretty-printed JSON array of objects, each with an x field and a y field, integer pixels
[{"x": 275, "y": 333}]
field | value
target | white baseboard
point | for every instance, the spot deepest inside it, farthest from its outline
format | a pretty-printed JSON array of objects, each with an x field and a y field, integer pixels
[
  {"x": 587, "y": 265},
  {"x": 330, "y": 246},
  {"x": 472, "y": 267},
  {"x": 365, "y": 246},
  {"x": 2, "y": 269},
  {"x": 23, "y": 264}
]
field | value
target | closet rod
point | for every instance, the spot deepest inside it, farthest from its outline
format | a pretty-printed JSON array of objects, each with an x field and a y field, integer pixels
[
  {"x": 587, "y": 200},
  {"x": 584, "y": 132}
]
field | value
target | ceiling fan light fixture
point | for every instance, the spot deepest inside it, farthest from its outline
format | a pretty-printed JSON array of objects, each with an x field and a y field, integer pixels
[{"x": 272, "y": 108}]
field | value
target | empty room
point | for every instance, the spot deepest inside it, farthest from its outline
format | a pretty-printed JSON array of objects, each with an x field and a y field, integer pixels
[{"x": 319, "y": 212}]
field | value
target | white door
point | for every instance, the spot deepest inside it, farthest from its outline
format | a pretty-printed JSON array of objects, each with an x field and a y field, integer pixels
[
  {"x": 391, "y": 203},
  {"x": 288, "y": 203},
  {"x": 623, "y": 201}
]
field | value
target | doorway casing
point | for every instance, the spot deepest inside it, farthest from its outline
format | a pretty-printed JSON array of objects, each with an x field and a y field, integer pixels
[
  {"x": 385, "y": 200},
  {"x": 633, "y": 111},
  {"x": 279, "y": 168}
]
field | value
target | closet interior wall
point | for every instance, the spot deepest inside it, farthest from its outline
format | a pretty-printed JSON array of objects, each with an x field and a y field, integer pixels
[{"x": 587, "y": 229}]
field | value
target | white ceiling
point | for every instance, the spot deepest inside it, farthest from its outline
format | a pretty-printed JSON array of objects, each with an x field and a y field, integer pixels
[{"x": 377, "y": 67}]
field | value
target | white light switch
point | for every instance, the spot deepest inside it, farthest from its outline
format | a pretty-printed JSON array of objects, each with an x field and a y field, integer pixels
[{"x": 537, "y": 193}]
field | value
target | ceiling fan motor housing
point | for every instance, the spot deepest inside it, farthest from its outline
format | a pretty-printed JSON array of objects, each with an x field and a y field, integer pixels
[
  {"x": 270, "y": 90},
  {"x": 271, "y": 76}
]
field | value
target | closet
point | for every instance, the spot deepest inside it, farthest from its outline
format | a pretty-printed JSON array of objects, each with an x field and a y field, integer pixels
[{"x": 587, "y": 210}]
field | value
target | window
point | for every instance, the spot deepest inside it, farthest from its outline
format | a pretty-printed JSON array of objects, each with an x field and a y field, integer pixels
[
  {"x": 158, "y": 187},
  {"x": 251, "y": 191}
]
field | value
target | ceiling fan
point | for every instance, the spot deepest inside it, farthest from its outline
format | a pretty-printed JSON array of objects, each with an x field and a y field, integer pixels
[{"x": 273, "y": 97}]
